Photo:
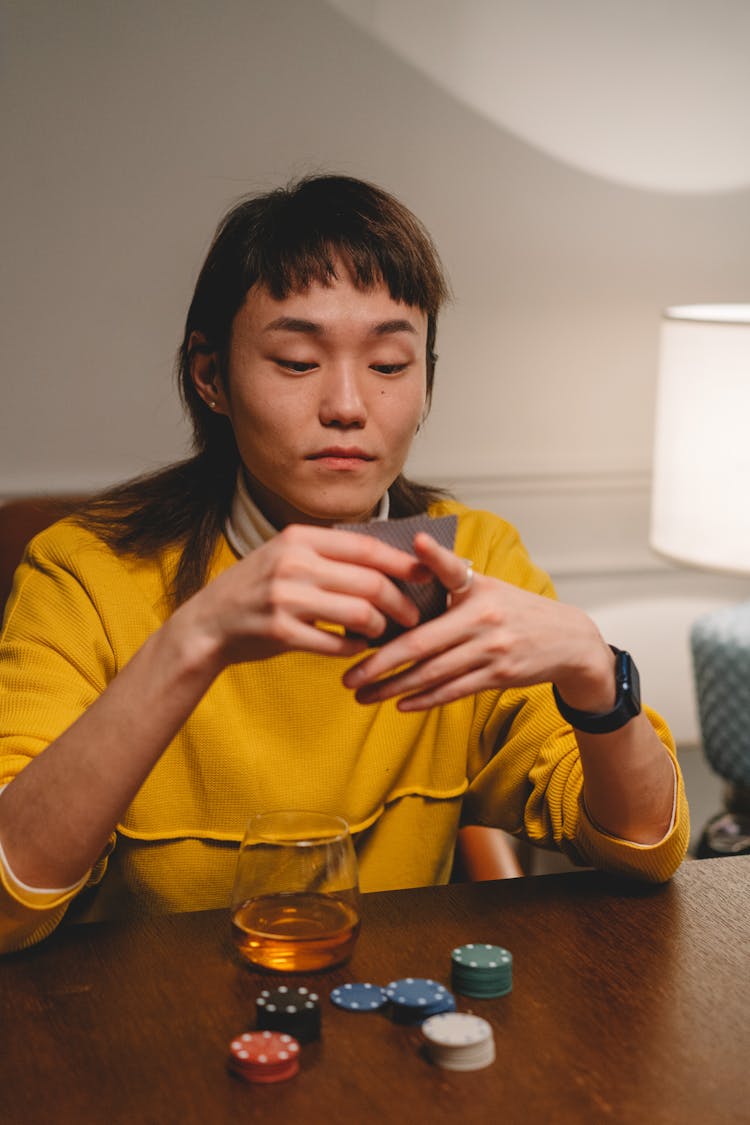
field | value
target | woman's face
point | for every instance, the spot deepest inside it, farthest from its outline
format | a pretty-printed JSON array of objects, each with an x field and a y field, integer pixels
[{"x": 325, "y": 390}]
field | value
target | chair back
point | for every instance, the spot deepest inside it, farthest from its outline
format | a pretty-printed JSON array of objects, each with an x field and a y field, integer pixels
[{"x": 20, "y": 521}]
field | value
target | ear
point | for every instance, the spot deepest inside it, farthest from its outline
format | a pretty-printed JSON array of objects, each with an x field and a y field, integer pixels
[{"x": 205, "y": 373}]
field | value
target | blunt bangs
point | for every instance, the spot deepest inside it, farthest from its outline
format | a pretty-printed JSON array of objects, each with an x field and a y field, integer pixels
[
  {"x": 330, "y": 220},
  {"x": 293, "y": 237}
]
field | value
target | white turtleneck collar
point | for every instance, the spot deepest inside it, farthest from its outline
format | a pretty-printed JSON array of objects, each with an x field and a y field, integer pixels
[{"x": 247, "y": 528}]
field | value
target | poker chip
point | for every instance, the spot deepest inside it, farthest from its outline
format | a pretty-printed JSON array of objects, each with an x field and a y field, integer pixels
[
  {"x": 482, "y": 971},
  {"x": 264, "y": 1056},
  {"x": 413, "y": 999},
  {"x": 293, "y": 1010},
  {"x": 459, "y": 1041},
  {"x": 359, "y": 997}
]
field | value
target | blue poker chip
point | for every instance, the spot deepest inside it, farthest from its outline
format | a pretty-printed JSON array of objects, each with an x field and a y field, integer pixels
[
  {"x": 413, "y": 999},
  {"x": 359, "y": 997},
  {"x": 415, "y": 992},
  {"x": 414, "y": 1016}
]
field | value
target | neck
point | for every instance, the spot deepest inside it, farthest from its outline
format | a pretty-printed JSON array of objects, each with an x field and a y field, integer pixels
[{"x": 249, "y": 526}]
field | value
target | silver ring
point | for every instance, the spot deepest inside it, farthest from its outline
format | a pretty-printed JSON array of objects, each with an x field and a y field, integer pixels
[{"x": 468, "y": 579}]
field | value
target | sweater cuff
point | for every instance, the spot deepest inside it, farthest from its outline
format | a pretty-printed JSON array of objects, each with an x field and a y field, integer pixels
[
  {"x": 26, "y": 919},
  {"x": 35, "y": 897},
  {"x": 655, "y": 863},
  {"x": 622, "y": 839}
]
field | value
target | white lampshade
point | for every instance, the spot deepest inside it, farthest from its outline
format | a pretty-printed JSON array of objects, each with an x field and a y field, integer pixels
[{"x": 701, "y": 491}]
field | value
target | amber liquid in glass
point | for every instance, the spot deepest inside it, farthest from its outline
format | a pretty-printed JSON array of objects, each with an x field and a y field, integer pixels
[{"x": 295, "y": 933}]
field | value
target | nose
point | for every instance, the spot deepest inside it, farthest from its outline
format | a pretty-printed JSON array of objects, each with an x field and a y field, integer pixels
[{"x": 342, "y": 402}]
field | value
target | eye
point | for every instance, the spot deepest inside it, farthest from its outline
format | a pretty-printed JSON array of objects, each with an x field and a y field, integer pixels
[
  {"x": 389, "y": 368},
  {"x": 298, "y": 367}
]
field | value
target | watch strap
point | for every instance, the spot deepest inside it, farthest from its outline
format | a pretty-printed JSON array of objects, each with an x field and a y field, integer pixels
[{"x": 627, "y": 702}]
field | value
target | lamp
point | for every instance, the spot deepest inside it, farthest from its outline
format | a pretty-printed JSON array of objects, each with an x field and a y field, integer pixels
[{"x": 701, "y": 516}]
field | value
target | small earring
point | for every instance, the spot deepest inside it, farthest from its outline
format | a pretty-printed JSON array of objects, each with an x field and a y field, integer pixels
[{"x": 212, "y": 404}]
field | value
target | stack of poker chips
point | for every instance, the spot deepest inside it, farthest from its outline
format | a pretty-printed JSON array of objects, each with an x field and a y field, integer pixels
[
  {"x": 293, "y": 1010},
  {"x": 459, "y": 1041},
  {"x": 264, "y": 1056},
  {"x": 413, "y": 999},
  {"x": 482, "y": 971},
  {"x": 359, "y": 997}
]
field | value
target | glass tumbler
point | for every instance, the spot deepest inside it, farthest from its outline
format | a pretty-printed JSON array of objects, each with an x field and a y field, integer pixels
[{"x": 295, "y": 902}]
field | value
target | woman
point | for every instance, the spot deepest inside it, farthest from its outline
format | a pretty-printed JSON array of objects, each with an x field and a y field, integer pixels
[{"x": 189, "y": 649}]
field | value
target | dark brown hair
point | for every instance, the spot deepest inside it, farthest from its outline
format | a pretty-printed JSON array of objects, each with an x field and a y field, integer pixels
[{"x": 284, "y": 240}]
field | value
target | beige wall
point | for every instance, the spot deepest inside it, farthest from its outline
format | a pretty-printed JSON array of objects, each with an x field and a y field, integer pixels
[{"x": 128, "y": 128}]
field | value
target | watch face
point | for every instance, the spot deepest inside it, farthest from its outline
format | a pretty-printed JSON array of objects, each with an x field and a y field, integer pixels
[{"x": 628, "y": 683}]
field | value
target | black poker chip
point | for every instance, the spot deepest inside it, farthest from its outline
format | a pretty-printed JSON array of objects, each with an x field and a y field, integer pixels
[{"x": 295, "y": 1011}]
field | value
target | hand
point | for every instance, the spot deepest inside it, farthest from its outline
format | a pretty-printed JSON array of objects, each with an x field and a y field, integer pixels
[
  {"x": 272, "y": 601},
  {"x": 494, "y": 635}
]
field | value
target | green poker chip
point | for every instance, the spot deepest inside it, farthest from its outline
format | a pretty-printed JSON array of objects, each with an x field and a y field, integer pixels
[
  {"x": 481, "y": 970},
  {"x": 481, "y": 957}
]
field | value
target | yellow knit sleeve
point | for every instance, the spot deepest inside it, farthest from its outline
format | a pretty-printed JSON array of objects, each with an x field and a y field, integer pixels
[
  {"x": 524, "y": 765},
  {"x": 55, "y": 656},
  {"x": 528, "y": 780},
  {"x": 55, "y": 660},
  {"x": 28, "y": 918}
]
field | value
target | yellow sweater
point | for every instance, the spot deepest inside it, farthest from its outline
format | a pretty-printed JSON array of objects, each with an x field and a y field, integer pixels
[{"x": 284, "y": 733}]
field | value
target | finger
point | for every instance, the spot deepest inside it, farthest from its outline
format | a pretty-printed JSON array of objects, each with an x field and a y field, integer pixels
[
  {"x": 325, "y": 643},
  {"x": 447, "y": 566},
  {"x": 303, "y": 637},
  {"x": 364, "y": 550},
  {"x": 444, "y": 668},
  {"x": 374, "y": 589},
  {"x": 355, "y": 564},
  {"x": 419, "y": 645},
  {"x": 356, "y": 615},
  {"x": 470, "y": 684}
]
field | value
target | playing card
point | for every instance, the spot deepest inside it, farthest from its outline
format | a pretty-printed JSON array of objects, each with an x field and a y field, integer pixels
[{"x": 429, "y": 597}]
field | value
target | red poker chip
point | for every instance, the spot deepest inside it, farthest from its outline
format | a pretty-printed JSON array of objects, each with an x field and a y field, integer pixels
[
  {"x": 260, "y": 1077},
  {"x": 264, "y": 1056},
  {"x": 264, "y": 1046}
]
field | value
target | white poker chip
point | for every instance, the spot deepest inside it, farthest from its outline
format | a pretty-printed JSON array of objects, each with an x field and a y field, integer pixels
[
  {"x": 459, "y": 1041},
  {"x": 455, "y": 1029}
]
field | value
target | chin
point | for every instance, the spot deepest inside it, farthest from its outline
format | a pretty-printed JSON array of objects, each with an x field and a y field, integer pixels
[
  {"x": 341, "y": 514},
  {"x": 342, "y": 517},
  {"x": 341, "y": 509}
]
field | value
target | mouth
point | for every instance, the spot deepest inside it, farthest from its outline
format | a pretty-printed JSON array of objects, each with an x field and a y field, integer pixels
[{"x": 341, "y": 457}]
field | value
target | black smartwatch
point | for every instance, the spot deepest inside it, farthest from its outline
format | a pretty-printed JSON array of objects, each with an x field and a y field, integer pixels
[{"x": 627, "y": 702}]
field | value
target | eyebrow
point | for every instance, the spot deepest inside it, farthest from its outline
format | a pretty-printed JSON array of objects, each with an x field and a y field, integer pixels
[
  {"x": 312, "y": 328},
  {"x": 387, "y": 327}
]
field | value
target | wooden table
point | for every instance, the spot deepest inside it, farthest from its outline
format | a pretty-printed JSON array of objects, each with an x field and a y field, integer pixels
[{"x": 630, "y": 1004}]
